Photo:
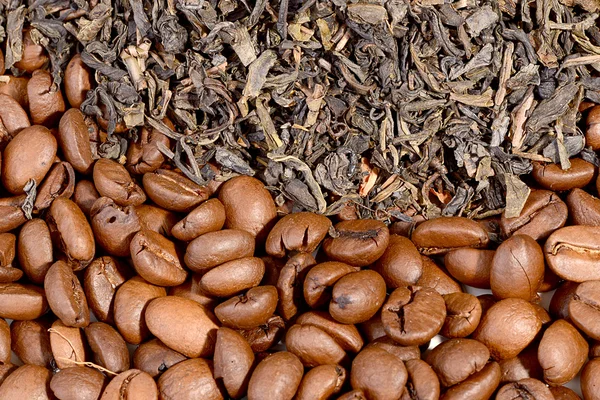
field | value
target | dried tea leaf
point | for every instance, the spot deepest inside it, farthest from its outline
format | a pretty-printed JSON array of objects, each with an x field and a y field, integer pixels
[
  {"x": 517, "y": 193},
  {"x": 14, "y": 33},
  {"x": 551, "y": 109},
  {"x": 30, "y": 189},
  {"x": 366, "y": 13},
  {"x": 481, "y": 19}
]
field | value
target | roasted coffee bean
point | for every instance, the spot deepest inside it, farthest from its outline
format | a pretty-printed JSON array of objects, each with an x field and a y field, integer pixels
[
  {"x": 112, "y": 180},
  {"x": 542, "y": 214},
  {"x": 440, "y": 235},
  {"x": 573, "y": 253},
  {"x": 37, "y": 147},
  {"x": 156, "y": 259},
  {"x": 517, "y": 268},
  {"x": 207, "y": 217},
  {"x": 301, "y": 232},
  {"x": 78, "y": 383},
  {"x": 132, "y": 384},
  {"x": 470, "y": 266},
  {"x": 233, "y": 362},
  {"x": 373, "y": 329},
  {"x": 584, "y": 310},
  {"x": 5, "y": 342},
  {"x": 358, "y": 243},
  {"x": 456, "y": 359},
  {"x": 322, "y": 382},
  {"x": 551, "y": 281},
  {"x": 250, "y": 309},
  {"x": 156, "y": 219},
  {"x": 183, "y": 325},
  {"x": 46, "y": 102},
  {"x": 422, "y": 381},
  {"x": 347, "y": 336},
  {"x": 525, "y": 365},
  {"x": 74, "y": 141},
  {"x": 525, "y": 389},
  {"x": 65, "y": 296},
  {"x": 13, "y": 116},
  {"x": 508, "y": 327},
  {"x": 401, "y": 264},
  {"x": 71, "y": 233},
  {"x": 357, "y": 296},
  {"x": 265, "y": 336},
  {"x": 173, "y": 191},
  {"x": 378, "y": 374},
  {"x": 22, "y": 302},
  {"x": 34, "y": 56},
  {"x": 143, "y": 155},
  {"x": 8, "y": 273},
  {"x": 592, "y": 133},
  {"x": 414, "y": 315},
  {"x": 67, "y": 344},
  {"x": 85, "y": 195},
  {"x": 27, "y": 382},
  {"x": 584, "y": 209},
  {"x": 276, "y": 377},
  {"x": 109, "y": 348},
  {"x": 353, "y": 395},
  {"x": 16, "y": 88},
  {"x": 114, "y": 226},
  {"x": 562, "y": 353},
  {"x": 273, "y": 267},
  {"x": 248, "y": 206},
  {"x": 11, "y": 213},
  {"x": 590, "y": 380},
  {"x": 404, "y": 353},
  {"x": 233, "y": 277},
  {"x": 130, "y": 303},
  {"x": 78, "y": 81},
  {"x": 289, "y": 284},
  {"x": 314, "y": 346},
  {"x": 436, "y": 278},
  {"x": 190, "y": 379},
  {"x": 190, "y": 289},
  {"x": 215, "y": 248},
  {"x": 559, "y": 304},
  {"x": 101, "y": 281},
  {"x": 553, "y": 177},
  {"x": 563, "y": 393},
  {"x": 321, "y": 278},
  {"x": 479, "y": 386},
  {"x": 30, "y": 340},
  {"x": 463, "y": 313},
  {"x": 154, "y": 357},
  {"x": 60, "y": 182}
]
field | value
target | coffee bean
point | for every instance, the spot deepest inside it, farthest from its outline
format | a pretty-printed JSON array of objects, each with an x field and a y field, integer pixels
[
  {"x": 353, "y": 395},
  {"x": 154, "y": 357},
  {"x": 422, "y": 381},
  {"x": 357, "y": 296},
  {"x": 573, "y": 252},
  {"x": 22, "y": 302},
  {"x": 562, "y": 353},
  {"x": 13, "y": 116},
  {"x": 85, "y": 195},
  {"x": 132, "y": 384},
  {"x": 378, "y": 374},
  {"x": 525, "y": 365},
  {"x": 215, "y": 248},
  {"x": 233, "y": 361},
  {"x": 276, "y": 377},
  {"x": 590, "y": 380},
  {"x": 78, "y": 81},
  {"x": 16, "y": 88},
  {"x": 480, "y": 385},
  {"x": 190, "y": 379},
  {"x": 190, "y": 289},
  {"x": 414, "y": 315},
  {"x": 114, "y": 226},
  {"x": 67, "y": 344},
  {"x": 563, "y": 393},
  {"x": 440, "y": 235},
  {"x": 11, "y": 213},
  {"x": 65, "y": 296},
  {"x": 143, "y": 155},
  {"x": 524, "y": 389},
  {"x": 46, "y": 103},
  {"x": 434, "y": 277},
  {"x": 5, "y": 344},
  {"x": 559, "y": 304},
  {"x": 30, "y": 340},
  {"x": 156, "y": 259},
  {"x": 404, "y": 353},
  {"x": 34, "y": 56},
  {"x": 112, "y": 180},
  {"x": 248, "y": 310},
  {"x": 289, "y": 284},
  {"x": 109, "y": 347},
  {"x": 463, "y": 313},
  {"x": 207, "y": 217},
  {"x": 233, "y": 277},
  {"x": 321, "y": 382},
  {"x": 74, "y": 141},
  {"x": 457, "y": 359},
  {"x": 27, "y": 382},
  {"x": 60, "y": 182},
  {"x": 78, "y": 383},
  {"x": 173, "y": 191},
  {"x": 101, "y": 280},
  {"x": 553, "y": 177},
  {"x": 321, "y": 278},
  {"x": 400, "y": 264},
  {"x": 470, "y": 266},
  {"x": 373, "y": 329},
  {"x": 347, "y": 336},
  {"x": 8, "y": 273},
  {"x": 358, "y": 243},
  {"x": 156, "y": 219},
  {"x": 583, "y": 308},
  {"x": 301, "y": 232},
  {"x": 314, "y": 346},
  {"x": 265, "y": 336}
]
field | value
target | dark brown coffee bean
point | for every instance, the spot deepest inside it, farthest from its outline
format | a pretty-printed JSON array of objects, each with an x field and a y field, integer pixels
[
  {"x": 525, "y": 365},
  {"x": 74, "y": 140},
  {"x": 470, "y": 266},
  {"x": 573, "y": 253},
  {"x": 584, "y": 309},
  {"x": 563, "y": 393},
  {"x": 207, "y": 217},
  {"x": 33, "y": 57},
  {"x": 30, "y": 340},
  {"x": 11, "y": 213},
  {"x": 347, "y": 336},
  {"x": 301, "y": 232},
  {"x": 173, "y": 191},
  {"x": 60, "y": 182},
  {"x": 404, "y": 353},
  {"x": 112, "y": 180},
  {"x": 27, "y": 382},
  {"x": 71, "y": 233},
  {"x": 413, "y": 316},
  {"x": 440, "y": 235},
  {"x": 508, "y": 327},
  {"x": 584, "y": 209},
  {"x": 525, "y": 389},
  {"x": 233, "y": 277},
  {"x": 67, "y": 344},
  {"x": 553, "y": 177},
  {"x": 273, "y": 267},
  {"x": 457, "y": 359},
  {"x": 156, "y": 259},
  {"x": 101, "y": 281},
  {"x": 265, "y": 336},
  {"x": 13, "y": 116},
  {"x": 143, "y": 155},
  {"x": 85, "y": 195},
  {"x": 463, "y": 313},
  {"x": 78, "y": 81},
  {"x": 543, "y": 213},
  {"x": 131, "y": 385},
  {"x": 22, "y": 302},
  {"x": 400, "y": 264},
  {"x": 215, "y": 248},
  {"x": 590, "y": 380},
  {"x": 248, "y": 310},
  {"x": 248, "y": 206},
  {"x": 479, "y": 386},
  {"x": 183, "y": 325},
  {"x": 156, "y": 219},
  {"x": 131, "y": 301},
  {"x": 378, "y": 374},
  {"x": 109, "y": 348},
  {"x": 233, "y": 361},
  {"x": 190, "y": 289},
  {"x": 517, "y": 268},
  {"x": 190, "y": 379},
  {"x": 65, "y": 296},
  {"x": 559, "y": 304},
  {"x": 358, "y": 243},
  {"x": 78, "y": 383},
  {"x": 35, "y": 144},
  {"x": 114, "y": 226},
  {"x": 562, "y": 353},
  {"x": 357, "y": 296},
  {"x": 322, "y": 382},
  {"x": 276, "y": 377},
  {"x": 321, "y": 278},
  {"x": 314, "y": 346},
  {"x": 434, "y": 277},
  {"x": 46, "y": 103},
  {"x": 289, "y": 284},
  {"x": 154, "y": 357},
  {"x": 422, "y": 381}
]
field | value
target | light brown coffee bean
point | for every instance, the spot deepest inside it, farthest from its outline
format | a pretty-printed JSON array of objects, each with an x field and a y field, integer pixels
[
  {"x": 207, "y": 217},
  {"x": 30, "y": 340},
  {"x": 8, "y": 273},
  {"x": 321, "y": 278},
  {"x": 457, "y": 359},
  {"x": 553, "y": 177},
  {"x": 109, "y": 348},
  {"x": 358, "y": 243},
  {"x": 156, "y": 259},
  {"x": 289, "y": 284},
  {"x": 470, "y": 266},
  {"x": 321, "y": 383},
  {"x": 101, "y": 280},
  {"x": 215, "y": 248},
  {"x": 143, "y": 155},
  {"x": 479, "y": 386},
  {"x": 46, "y": 103},
  {"x": 357, "y": 296},
  {"x": 156, "y": 219},
  {"x": 154, "y": 357},
  {"x": 233, "y": 361},
  {"x": 78, "y": 383},
  {"x": 524, "y": 389},
  {"x": 59, "y": 182},
  {"x": 78, "y": 81},
  {"x": 434, "y": 277},
  {"x": 378, "y": 374},
  {"x": 301, "y": 232},
  {"x": 525, "y": 365},
  {"x": 190, "y": 379},
  {"x": 65, "y": 296},
  {"x": 422, "y": 382},
  {"x": 265, "y": 336},
  {"x": 564, "y": 393},
  {"x": 74, "y": 140},
  {"x": 404, "y": 353},
  {"x": 33, "y": 56},
  {"x": 190, "y": 289},
  {"x": 27, "y": 382},
  {"x": 5, "y": 342},
  {"x": 13, "y": 116},
  {"x": 132, "y": 384},
  {"x": 11, "y": 213},
  {"x": 314, "y": 346},
  {"x": 67, "y": 344},
  {"x": 250, "y": 309},
  {"x": 276, "y": 377},
  {"x": 559, "y": 304},
  {"x": 233, "y": 277},
  {"x": 400, "y": 264},
  {"x": 347, "y": 336},
  {"x": 590, "y": 380},
  {"x": 112, "y": 180},
  {"x": 85, "y": 195},
  {"x": 583, "y": 308},
  {"x": 22, "y": 302},
  {"x": 114, "y": 226},
  {"x": 173, "y": 191},
  {"x": 440, "y": 235},
  {"x": 573, "y": 253},
  {"x": 463, "y": 313}
]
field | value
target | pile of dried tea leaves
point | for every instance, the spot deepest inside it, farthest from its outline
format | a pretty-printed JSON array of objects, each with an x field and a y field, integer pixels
[{"x": 393, "y": 108}]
